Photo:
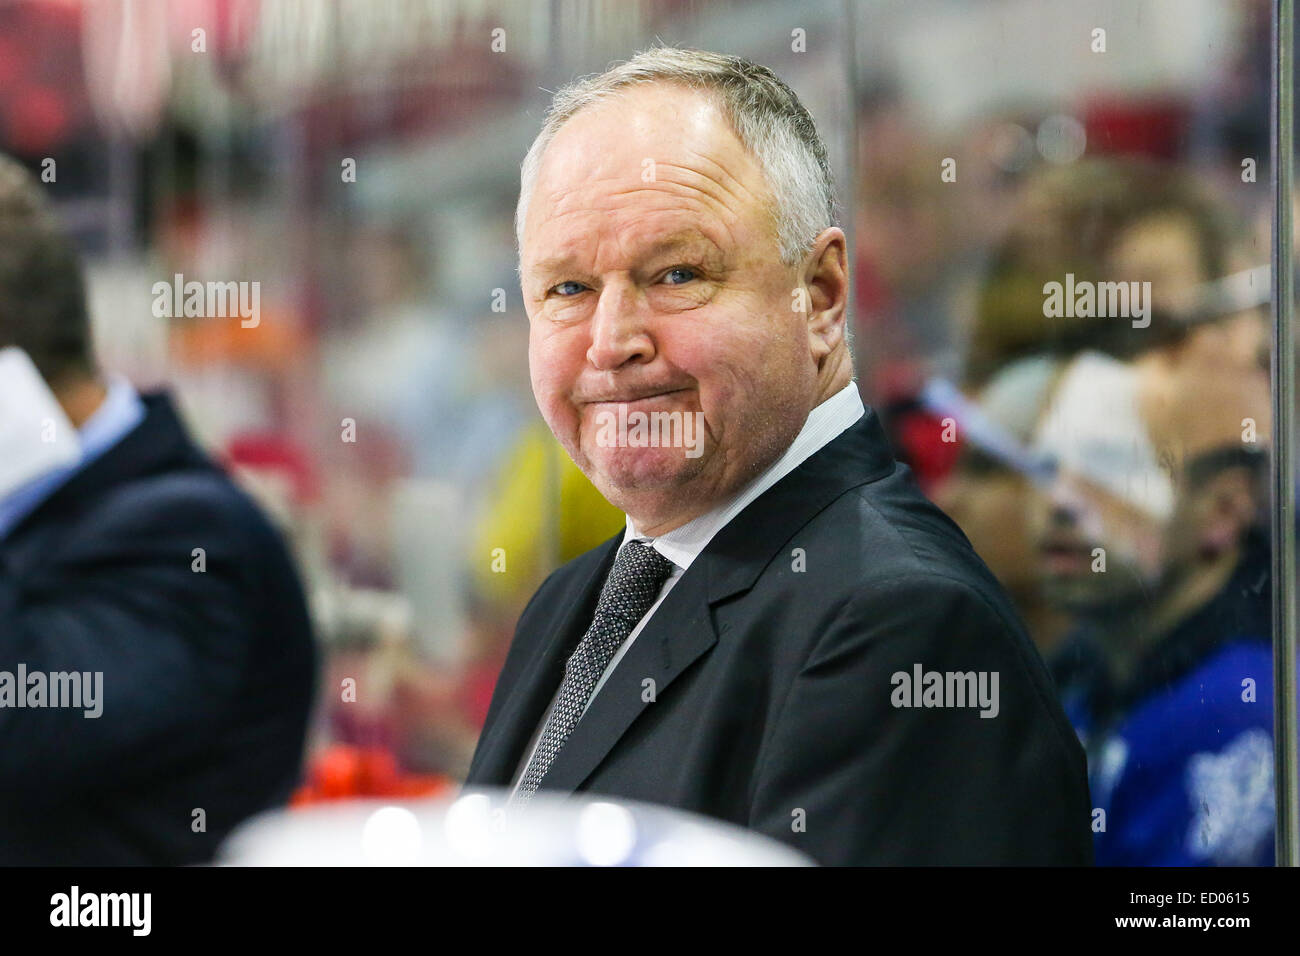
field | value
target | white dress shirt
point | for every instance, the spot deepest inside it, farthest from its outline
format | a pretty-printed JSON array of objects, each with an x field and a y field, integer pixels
[{"x": 683, "y": 545}]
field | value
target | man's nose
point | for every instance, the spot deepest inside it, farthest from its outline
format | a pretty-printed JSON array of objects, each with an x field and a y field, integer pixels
[
  {"x": 618, "y": 330},
  {"x": 1064, "y": 501}
]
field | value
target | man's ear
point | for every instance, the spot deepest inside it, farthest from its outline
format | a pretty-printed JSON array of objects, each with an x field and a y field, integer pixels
[
  {"x": 1232, "y": 509},
  {"x": 825, "y": 288}
]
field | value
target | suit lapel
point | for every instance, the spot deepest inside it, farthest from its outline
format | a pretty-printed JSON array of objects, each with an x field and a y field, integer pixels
[
  {"x": 680, "y": 631},
  {"x": 746, "y": 546},
  {"x": 525, "y": 705}
]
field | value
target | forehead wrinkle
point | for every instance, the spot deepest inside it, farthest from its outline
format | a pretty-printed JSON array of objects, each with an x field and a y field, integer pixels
[
  {"x": 605, "y": 193},
  {"x": 686, "y": 199},
  {"x": 704, "y": 167},
  {"x": 681, "y": 203},
  {"x": 635, "y": 242},
  {"x": 762, "y": 200},
  {"x": 731, "y": 201},
  {"x": 722, "y": 189},
  {"x": 729, "y": 182}
]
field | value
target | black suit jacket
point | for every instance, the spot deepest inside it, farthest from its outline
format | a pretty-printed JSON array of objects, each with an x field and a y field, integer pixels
[
  {"x": 208, "y": 676},
  {"x": 774, "y": 692}
]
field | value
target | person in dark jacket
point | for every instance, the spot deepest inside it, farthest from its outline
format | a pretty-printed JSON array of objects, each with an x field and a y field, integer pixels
[
  {"x": 156, "y": 657},
  {"x": 787, "y": 636}
]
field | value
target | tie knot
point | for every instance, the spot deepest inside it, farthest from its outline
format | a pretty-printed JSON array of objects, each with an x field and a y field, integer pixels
[
  {"x": 635, "y": 580},
  {"x": 637, "y": 560}
]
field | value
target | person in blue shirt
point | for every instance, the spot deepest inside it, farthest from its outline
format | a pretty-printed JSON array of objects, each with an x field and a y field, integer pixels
[
  {"x": 1180, "y": 751},
  {"x": 1151, "y": 536}
]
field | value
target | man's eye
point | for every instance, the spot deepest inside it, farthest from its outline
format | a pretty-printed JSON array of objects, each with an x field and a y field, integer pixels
[
  {"x": 685, "y": 273},
  {"x": 568, "y": 288}
]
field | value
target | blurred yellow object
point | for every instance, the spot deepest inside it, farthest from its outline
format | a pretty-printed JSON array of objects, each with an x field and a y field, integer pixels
[{"x": 543, "y": 513}]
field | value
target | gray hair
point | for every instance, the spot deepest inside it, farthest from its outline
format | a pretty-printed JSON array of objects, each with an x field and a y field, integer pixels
[{"x": 763, "y": 111}]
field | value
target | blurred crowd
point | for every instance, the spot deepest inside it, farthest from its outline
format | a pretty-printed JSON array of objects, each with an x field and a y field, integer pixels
[{"x": 1109, "y": 465}]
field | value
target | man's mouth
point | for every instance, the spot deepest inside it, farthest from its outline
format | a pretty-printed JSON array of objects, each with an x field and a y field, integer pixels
[
  {"x": 633, "y": 399},
  {"x": 1064, "y": 556}
]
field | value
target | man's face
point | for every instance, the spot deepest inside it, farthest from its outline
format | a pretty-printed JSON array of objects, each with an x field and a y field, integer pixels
[
  {"x": 652, "y": 280},
  {"x": 988, "y": 504},
  {"x": 1078, "y": 521},
  {"x": 1097, "y": 552},
  {"x": 1100, "y": 525}
]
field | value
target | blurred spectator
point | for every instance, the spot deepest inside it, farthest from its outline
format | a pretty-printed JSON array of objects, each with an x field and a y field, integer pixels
[
  {"x": 985, "y": 493},
  {"x": 1167, "y": 674},
  {"x": 1151, "y": 538},
  {"x": 134, "y": 567},
  {"x": 1096, "y": 220},
  {"x": 1092, "y": 220}
]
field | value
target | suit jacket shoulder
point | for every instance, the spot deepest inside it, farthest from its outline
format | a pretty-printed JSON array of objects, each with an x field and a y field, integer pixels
[{"x": 777, "y": 663}]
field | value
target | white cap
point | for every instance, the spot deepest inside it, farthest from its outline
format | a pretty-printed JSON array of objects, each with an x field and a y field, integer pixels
[{"x": 1093, "y": 428}]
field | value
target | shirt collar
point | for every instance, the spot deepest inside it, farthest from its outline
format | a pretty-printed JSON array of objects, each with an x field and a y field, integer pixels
[
  {"x": 120, "y": 411},
  {"x": 826, "y": 422}
]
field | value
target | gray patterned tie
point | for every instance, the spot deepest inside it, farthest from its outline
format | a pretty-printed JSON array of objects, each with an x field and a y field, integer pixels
[{"x": 630, "y": 590}]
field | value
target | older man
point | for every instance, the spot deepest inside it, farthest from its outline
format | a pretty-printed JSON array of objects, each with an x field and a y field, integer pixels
[{"x": 787, "y": 636}]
